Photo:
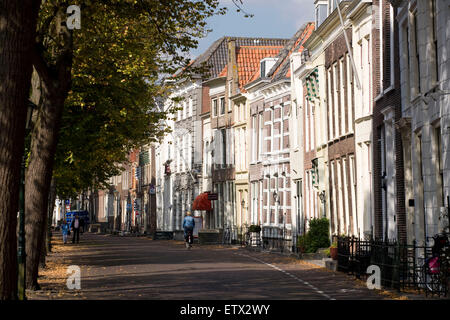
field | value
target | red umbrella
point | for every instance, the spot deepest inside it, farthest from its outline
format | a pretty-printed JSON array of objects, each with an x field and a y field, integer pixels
[{"x": 201, "y": 202}]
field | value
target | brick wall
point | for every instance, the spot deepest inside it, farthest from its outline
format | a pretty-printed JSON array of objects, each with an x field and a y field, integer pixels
[{"x": 390, "y": 98}]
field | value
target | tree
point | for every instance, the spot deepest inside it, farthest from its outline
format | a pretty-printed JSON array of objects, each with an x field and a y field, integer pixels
[
  {"x": 114, "y": 60},
  {"x": 17, "y": 26}
]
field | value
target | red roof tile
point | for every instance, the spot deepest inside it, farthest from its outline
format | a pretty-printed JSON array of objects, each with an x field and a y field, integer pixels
[
  {"x": 223, "y": 73},
  {"x": 248, "y": 59}
]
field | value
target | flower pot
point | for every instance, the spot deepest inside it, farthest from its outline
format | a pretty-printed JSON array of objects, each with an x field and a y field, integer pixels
[{"x": 334, "y": 253}]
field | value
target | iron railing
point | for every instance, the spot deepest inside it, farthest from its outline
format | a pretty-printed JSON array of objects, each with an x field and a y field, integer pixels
[
  {"x": 401, "y": 266},
  {"x": 269, "y": 238}
]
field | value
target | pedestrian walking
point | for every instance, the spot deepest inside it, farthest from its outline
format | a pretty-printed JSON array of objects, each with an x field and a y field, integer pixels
[
  {"x": 65, "y": 231},
  {"x": 75, "y": 226},
  {"x": 82, "y": 225},
  {"x": 188, "y": 226}
]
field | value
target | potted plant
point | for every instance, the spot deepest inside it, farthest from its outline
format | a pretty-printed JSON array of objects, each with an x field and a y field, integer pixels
[{"x": 334, "y": 250}]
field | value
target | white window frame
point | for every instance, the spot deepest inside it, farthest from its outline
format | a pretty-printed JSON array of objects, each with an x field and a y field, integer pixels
[
  {"x": 342, "y": 96},
  {"x": 215, "y": 112},
  {"x": 336, "y": 100},
  {"x": 330, "y": 105}
]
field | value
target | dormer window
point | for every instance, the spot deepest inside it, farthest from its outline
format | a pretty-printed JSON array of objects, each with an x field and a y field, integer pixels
[
  {"x": 321, "y": 12},
  {"x": 265, "y": 66}
]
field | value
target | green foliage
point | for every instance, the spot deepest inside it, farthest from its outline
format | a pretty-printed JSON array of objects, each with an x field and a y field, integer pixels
[
  {"x": 319, "y": 233},
  {"x": 318, "y": 236},
  {"x": 254, "y": 228},
  {"x": 303, "y": 243},
  {"x": 119, "y": 56}
]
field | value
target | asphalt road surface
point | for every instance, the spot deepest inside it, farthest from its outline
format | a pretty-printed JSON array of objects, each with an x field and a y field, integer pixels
[{"x": 114, "y": 267}]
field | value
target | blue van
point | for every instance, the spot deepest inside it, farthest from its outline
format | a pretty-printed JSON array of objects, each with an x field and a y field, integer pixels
[{"x": 82, "y": 214}]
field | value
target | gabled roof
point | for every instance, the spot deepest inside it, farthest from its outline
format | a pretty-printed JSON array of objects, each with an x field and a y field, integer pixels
[
  {"x": 216, "y": 56},
  {"x": 248, "y": 59},
  {"x": 281, "y": 69}
]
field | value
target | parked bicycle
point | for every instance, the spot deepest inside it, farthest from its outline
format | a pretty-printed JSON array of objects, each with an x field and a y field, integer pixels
[
  {"x": 247, "y": 239},
  {"x": 434, "y": 274},
  {"x": 226, "y": 236}
]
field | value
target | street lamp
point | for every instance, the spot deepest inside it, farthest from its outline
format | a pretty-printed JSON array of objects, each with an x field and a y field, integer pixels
[
  {"x": 323, "y": 199},
  {"x": 21, "y": 255}
]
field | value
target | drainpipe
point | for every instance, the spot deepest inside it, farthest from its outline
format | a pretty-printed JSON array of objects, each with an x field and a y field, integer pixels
[{"x": 358, "y": 84}]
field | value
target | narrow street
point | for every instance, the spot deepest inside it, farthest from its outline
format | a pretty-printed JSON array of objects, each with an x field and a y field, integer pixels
[{"x": 115, "y": 267}]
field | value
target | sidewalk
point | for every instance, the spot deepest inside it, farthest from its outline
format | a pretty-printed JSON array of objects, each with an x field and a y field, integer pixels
[{"x": 320, "y": 265}]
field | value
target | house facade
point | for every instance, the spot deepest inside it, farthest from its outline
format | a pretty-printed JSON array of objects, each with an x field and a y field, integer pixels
[
  {"x": 348, "y": 119},
  {"x": 425, "y": 95}
]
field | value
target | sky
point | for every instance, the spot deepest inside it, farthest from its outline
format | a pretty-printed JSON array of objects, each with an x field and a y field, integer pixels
[{"x": 272, "y": 19}]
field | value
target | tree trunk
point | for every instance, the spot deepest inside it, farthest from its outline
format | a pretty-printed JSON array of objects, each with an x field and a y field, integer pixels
[
  {"x": 55, "y": 84},
  {"x": 38, "y": 178},
  {"x": 17, "y": 29},
  {"x": 51, "y": 207}
]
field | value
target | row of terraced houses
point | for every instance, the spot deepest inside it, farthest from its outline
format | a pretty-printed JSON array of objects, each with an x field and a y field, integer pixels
[{"x": 348, "y": 119}]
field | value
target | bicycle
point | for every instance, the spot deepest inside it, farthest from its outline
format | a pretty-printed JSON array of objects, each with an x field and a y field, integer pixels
[
  {"x": 226, "y": 236},
  {"x": 434, "y": 273},
  {"x": 189, "y": 239}
]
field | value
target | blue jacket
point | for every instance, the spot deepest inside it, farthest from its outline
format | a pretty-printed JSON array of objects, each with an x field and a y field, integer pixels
[
  {"x": 65, "y": 229},
  {"x": 188, "y": 222}
]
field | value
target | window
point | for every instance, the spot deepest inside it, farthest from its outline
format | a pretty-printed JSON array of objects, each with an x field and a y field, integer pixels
[
  {"x": 439, "y": 166},
  {"x": 188, "y": 150},
  {"x": 349, "y": 94},
  {"x": 238, "y": 146},
  {"x": 435, "y": 28},
  {"x": 353, "y": 193},
  {"x": 417, "y": 53},
  {"x": 222, "y": 106},
  {"x": 346, "y": 195},
  {"x": 391, "y": 45},
  {"x": 307, "y": 125},
  {"x": 254, "y": 138},
  {"x": 342, "y": 95},
  {"x": 335, "y": 100},
  {"x": 272, "y": 118},
  {"x": 224, "y": 146},
  {"x": 263, "y": 69},
  {"x": 191, "y": 107},
  {"x": 245, "y": 147},
  {"x": 215, "y": 110},
  {"x": 321, "y": 14},
  {"x": 333, "y": 206},
  {"x": 260, "y": 135},
  {"x": 330, "y": 107}
]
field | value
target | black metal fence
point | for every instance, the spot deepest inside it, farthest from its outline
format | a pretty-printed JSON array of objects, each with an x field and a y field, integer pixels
[
  {"x": 401, "y": 266},
  {"x": 269, "y": 238}
]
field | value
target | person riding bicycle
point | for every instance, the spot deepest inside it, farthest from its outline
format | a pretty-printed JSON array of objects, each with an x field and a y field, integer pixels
[{"x": 188, "y": 226}]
